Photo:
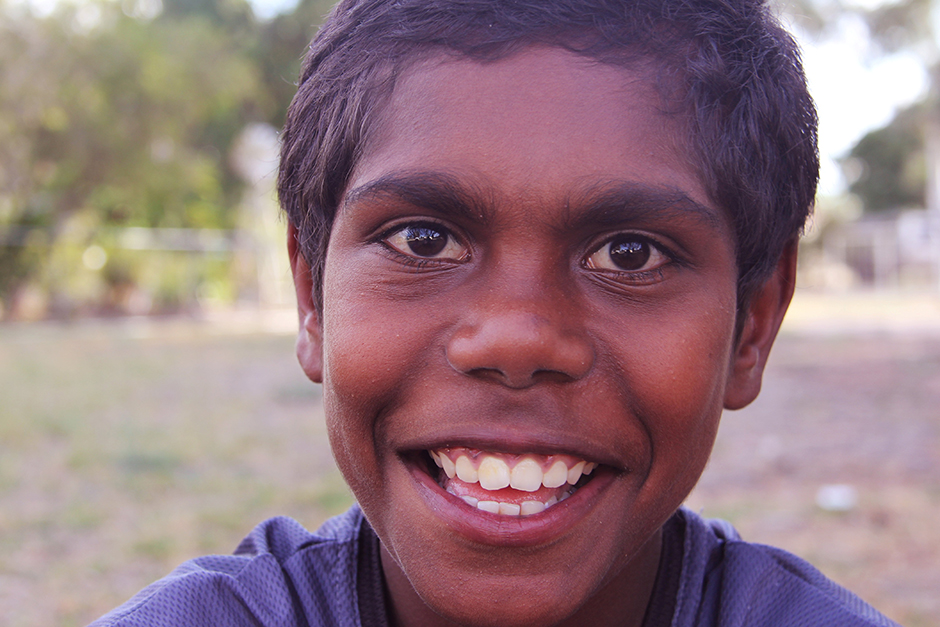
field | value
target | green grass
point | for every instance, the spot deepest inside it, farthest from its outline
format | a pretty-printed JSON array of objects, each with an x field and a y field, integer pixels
[{"x": 124, "y": 453}]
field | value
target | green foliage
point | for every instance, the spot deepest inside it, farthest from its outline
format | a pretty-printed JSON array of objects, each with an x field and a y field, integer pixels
[
  {"x": 120, "y": 114},
  {"x": 280, "y": 49},
  {"x": 903, "y": 24},
  {"x": 889, "y": 164}
]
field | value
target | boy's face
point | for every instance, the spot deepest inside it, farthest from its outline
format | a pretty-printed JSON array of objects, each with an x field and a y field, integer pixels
[{"x": 524, "y": 267}]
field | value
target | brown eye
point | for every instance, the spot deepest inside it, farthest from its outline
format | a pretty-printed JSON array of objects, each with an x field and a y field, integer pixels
[
  {"x": 627, "y": 253},
  {"x": 428, "y": 241}
]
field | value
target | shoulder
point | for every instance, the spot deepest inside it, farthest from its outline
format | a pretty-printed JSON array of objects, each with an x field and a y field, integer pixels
[
  {"x": 257, "y": 585},
  {"x": 727, "y": 582}
]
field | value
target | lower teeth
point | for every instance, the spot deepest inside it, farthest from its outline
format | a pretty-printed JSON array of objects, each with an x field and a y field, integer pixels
[{"x": 525, "y": 508}]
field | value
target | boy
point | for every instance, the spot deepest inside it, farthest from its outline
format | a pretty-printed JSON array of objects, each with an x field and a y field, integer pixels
[{"x": 538, "y": 246}]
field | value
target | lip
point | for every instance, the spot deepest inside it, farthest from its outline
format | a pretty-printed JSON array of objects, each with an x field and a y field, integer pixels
[{"x": 509, "y": 531}]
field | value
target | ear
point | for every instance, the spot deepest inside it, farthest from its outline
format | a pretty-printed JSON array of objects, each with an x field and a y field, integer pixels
[
  {"x": 762, "y": 321},
  {"x": 310, "y": 334}
]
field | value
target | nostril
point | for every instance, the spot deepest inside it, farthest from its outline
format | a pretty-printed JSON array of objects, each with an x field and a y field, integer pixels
[
  {"x": 520, "y": 380},
  {"x": 519, "y": 350},
  {"x": 503, "y": 378}
]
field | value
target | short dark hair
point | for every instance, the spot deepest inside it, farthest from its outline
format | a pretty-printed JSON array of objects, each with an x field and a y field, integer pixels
[{"x": 737, "y": 74}]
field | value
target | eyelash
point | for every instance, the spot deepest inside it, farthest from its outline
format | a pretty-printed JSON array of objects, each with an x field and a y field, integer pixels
[
  {"x": 651, "y": 275},
  {"x": 416, "y": 260}
]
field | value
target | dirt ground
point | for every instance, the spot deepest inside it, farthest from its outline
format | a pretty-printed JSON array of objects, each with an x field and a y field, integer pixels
[
  {"x": 126, "y": 448},
  {"x": 861, "y": 411}
]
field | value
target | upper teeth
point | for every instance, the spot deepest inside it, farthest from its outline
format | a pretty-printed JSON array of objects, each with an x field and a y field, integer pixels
[{"x": 527, "y": 475}]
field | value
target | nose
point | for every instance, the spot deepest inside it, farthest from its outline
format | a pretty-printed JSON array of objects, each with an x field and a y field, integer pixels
[{"x": 518, "y": 342}]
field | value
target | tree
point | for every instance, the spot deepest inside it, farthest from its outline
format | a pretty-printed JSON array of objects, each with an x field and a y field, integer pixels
[
  {"x": 906, "y": 152},
  {"x": 119, "y": 114},
  {"x": 888, "y": 165}
]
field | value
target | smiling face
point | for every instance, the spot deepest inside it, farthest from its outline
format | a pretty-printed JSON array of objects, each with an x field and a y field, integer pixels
[{"x": 525, "y": 271}]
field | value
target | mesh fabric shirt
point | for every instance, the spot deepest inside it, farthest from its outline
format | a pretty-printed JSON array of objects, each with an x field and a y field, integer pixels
[{"x": 284, "y": 576}]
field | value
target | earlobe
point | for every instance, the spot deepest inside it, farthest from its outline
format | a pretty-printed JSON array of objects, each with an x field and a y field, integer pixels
[
  {"x": 764, "y": 315},
  {"x": 310, "y": 334}
]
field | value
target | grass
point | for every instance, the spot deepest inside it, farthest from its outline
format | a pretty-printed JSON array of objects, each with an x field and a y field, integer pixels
[{"x": 123, "y": 454}]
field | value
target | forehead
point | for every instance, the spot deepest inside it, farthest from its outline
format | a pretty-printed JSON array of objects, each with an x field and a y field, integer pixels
[{"x": 543, "y": 125}]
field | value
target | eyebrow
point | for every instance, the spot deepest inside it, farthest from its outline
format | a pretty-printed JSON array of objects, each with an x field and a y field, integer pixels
[
  {"x": 609, "y": 206},
  {"x": 605, "y": 205},
  {"x": 437, "y": 191}
]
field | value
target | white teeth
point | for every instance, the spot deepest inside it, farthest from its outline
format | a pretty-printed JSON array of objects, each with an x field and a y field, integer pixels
[
  {"x": 493, "y": 473},
  {"x": 574, "y": 473},
  {"x": 556, "y": 476},
  {"x": 465, "y": 470},
  {"x": 532, "y": 507},
  {"x": 509, "y": 509},
  {"x": 526, "y": 508},
  {"x": 526, "y": 476},
  {"x": 489, "y": 506},
  {"x": 448, "y": 466}
]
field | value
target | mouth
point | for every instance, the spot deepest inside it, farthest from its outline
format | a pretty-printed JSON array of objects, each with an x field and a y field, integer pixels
[{"x": 505, "y": 484}]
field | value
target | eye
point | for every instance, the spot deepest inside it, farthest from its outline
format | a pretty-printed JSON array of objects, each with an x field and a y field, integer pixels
[
  {"x": 428, "y": 241},
  {"x": 627, "y": 253}
]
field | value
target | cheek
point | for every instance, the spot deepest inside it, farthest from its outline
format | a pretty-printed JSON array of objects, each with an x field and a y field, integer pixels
[
  {"x": 358, "y": 341},
  {"x": 674, "y": 366},
  {"x": 350, "y": 443},
  {"x": 355, "y": 354},
  {"x": 690, "y": 379},
  {"x": 371, "y": 345}
]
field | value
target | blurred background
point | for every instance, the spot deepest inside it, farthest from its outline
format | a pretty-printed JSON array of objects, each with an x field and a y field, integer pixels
[{"x": 151, "y": 409}]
